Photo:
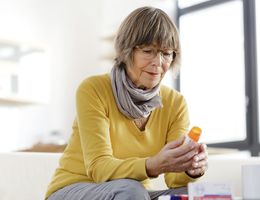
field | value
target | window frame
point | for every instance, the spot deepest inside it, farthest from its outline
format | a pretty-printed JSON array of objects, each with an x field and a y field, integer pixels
[{"x": 251, "y": 143}]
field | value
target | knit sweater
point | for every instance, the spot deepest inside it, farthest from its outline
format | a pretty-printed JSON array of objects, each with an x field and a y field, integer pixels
[{"x": 105, "y": 145}]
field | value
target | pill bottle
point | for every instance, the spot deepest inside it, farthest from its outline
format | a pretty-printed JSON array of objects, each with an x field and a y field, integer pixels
[{"x": 194, "y": 134}]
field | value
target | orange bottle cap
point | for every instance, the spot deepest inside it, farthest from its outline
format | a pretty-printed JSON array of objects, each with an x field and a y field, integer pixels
[{"x": 195, "y": 133}]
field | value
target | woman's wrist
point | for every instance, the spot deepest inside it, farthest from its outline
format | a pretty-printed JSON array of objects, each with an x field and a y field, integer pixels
[{"x": 151, "y": 168}]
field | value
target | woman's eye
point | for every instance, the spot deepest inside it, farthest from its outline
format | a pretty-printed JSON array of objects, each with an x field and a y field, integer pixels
[
  {"x": 167, "y": 54},
  {"x": 147, "y": 51}
]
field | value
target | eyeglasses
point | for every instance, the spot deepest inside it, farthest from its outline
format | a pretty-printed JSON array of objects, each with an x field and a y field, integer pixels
[{"x": 150, "y": 53}]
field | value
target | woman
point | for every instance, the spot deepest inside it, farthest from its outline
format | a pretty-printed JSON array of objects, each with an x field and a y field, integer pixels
[{"x": 128, "y": 127}]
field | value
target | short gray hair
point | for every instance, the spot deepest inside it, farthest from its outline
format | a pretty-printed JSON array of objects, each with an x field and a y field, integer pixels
[{"x": 146, "y": 26}]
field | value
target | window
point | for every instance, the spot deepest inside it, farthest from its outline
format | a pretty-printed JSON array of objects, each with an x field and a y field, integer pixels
[
  {"x": 186, "y": 3},
  {"x": 212, "y": 74},
  {"x": 219, "y": 70}
]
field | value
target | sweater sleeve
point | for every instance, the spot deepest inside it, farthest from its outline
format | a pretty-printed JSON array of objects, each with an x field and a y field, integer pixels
[
  {"x": 178, "y": 126},
  {"x": 93, "y": 123}
]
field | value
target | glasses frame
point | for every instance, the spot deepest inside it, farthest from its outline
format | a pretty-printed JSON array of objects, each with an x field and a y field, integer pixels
[{"x": 154, "y": 52}]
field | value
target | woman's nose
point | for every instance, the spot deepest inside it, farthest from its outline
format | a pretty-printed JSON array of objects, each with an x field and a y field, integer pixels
[{"x": 158, "y": 59}]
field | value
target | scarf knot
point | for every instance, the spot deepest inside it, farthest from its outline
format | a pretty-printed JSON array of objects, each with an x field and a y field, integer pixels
[{"x": 131, "y": 101}]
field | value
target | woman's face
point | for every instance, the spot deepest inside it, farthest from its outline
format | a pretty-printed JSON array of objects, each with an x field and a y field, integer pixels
[{"x": 149, "y": 65}]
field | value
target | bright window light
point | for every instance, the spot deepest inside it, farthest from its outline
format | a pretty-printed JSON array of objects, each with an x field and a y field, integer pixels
[
  {"x": 212, "y": 74},
  {"x": 187, "y": 3}
]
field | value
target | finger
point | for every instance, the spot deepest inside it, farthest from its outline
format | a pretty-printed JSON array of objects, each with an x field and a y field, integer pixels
[
  {"x": 198, "y": 171},
  {"x": 203, "y": 147},
  {"x": 187, "y": 158},
  {"x": 200, "y": 156},
  {"x": 177, "y": 156},
  {"x": 182, "y": 150},
  {"x": 201, "y": 170},
  {"x": 199, "y": 164},
  {"x": 175, "y": 143}
]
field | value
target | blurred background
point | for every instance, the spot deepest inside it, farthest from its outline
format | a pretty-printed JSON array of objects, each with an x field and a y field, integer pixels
[{"x": 47, "y": 47}]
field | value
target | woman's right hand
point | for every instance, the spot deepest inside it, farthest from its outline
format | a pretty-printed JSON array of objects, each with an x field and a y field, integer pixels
[{"x": 174, "y": 157}]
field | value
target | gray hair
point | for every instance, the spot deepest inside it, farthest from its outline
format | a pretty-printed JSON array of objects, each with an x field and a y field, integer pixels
[{"x": 146, "y": 26}]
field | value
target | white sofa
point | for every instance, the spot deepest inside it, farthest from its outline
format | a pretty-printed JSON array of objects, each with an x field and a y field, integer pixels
[{"x": 25, "y": 176}]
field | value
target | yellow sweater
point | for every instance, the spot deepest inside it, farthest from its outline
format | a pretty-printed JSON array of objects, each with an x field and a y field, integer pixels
[{"x": 105, "y": 145}]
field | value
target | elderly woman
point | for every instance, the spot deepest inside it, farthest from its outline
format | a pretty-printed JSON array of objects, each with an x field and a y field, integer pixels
[{"x": 129, "y": 128}]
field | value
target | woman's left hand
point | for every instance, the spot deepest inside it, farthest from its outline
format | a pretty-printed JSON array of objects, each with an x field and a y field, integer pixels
[{"x": 200, "y": 162}]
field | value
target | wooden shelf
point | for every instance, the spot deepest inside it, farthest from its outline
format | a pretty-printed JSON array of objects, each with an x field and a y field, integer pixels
[
  {"x": 42, "y": 147},
  {"x": 14, "y": 101}
]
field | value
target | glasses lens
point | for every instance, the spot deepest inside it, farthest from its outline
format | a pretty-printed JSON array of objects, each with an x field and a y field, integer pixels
[{"x": 150, "y": 53}]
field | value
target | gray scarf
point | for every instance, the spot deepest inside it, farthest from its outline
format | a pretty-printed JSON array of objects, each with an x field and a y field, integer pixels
[{"x": 133, "y": 102}]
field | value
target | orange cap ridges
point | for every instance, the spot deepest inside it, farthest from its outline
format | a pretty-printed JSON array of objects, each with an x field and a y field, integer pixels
[{"x": 195, "y": 133}]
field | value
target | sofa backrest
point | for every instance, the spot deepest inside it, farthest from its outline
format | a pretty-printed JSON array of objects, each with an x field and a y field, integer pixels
[{"x": 25, "y": 176}]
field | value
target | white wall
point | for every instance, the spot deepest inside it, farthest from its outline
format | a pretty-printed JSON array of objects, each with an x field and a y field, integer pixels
[
  {"x": 72, "y": 31},
  {"x": 69, "y": 31}
]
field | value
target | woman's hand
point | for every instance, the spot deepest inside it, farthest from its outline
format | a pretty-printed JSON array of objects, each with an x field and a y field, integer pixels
[
  {"x": 200, "y": 163},
  {"x": 175, "y": 157}
]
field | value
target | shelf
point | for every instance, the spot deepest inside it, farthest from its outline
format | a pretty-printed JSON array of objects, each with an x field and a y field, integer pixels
[
  {"x": 109, "y": 38},
  {"x": 16, "y": 101},
  {"x": 110, "y": 57},
  {"x": 20, "y": 65}
]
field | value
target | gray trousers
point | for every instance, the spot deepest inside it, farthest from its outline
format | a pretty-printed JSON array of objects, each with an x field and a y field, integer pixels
[{"x": 121, "y": 189}]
